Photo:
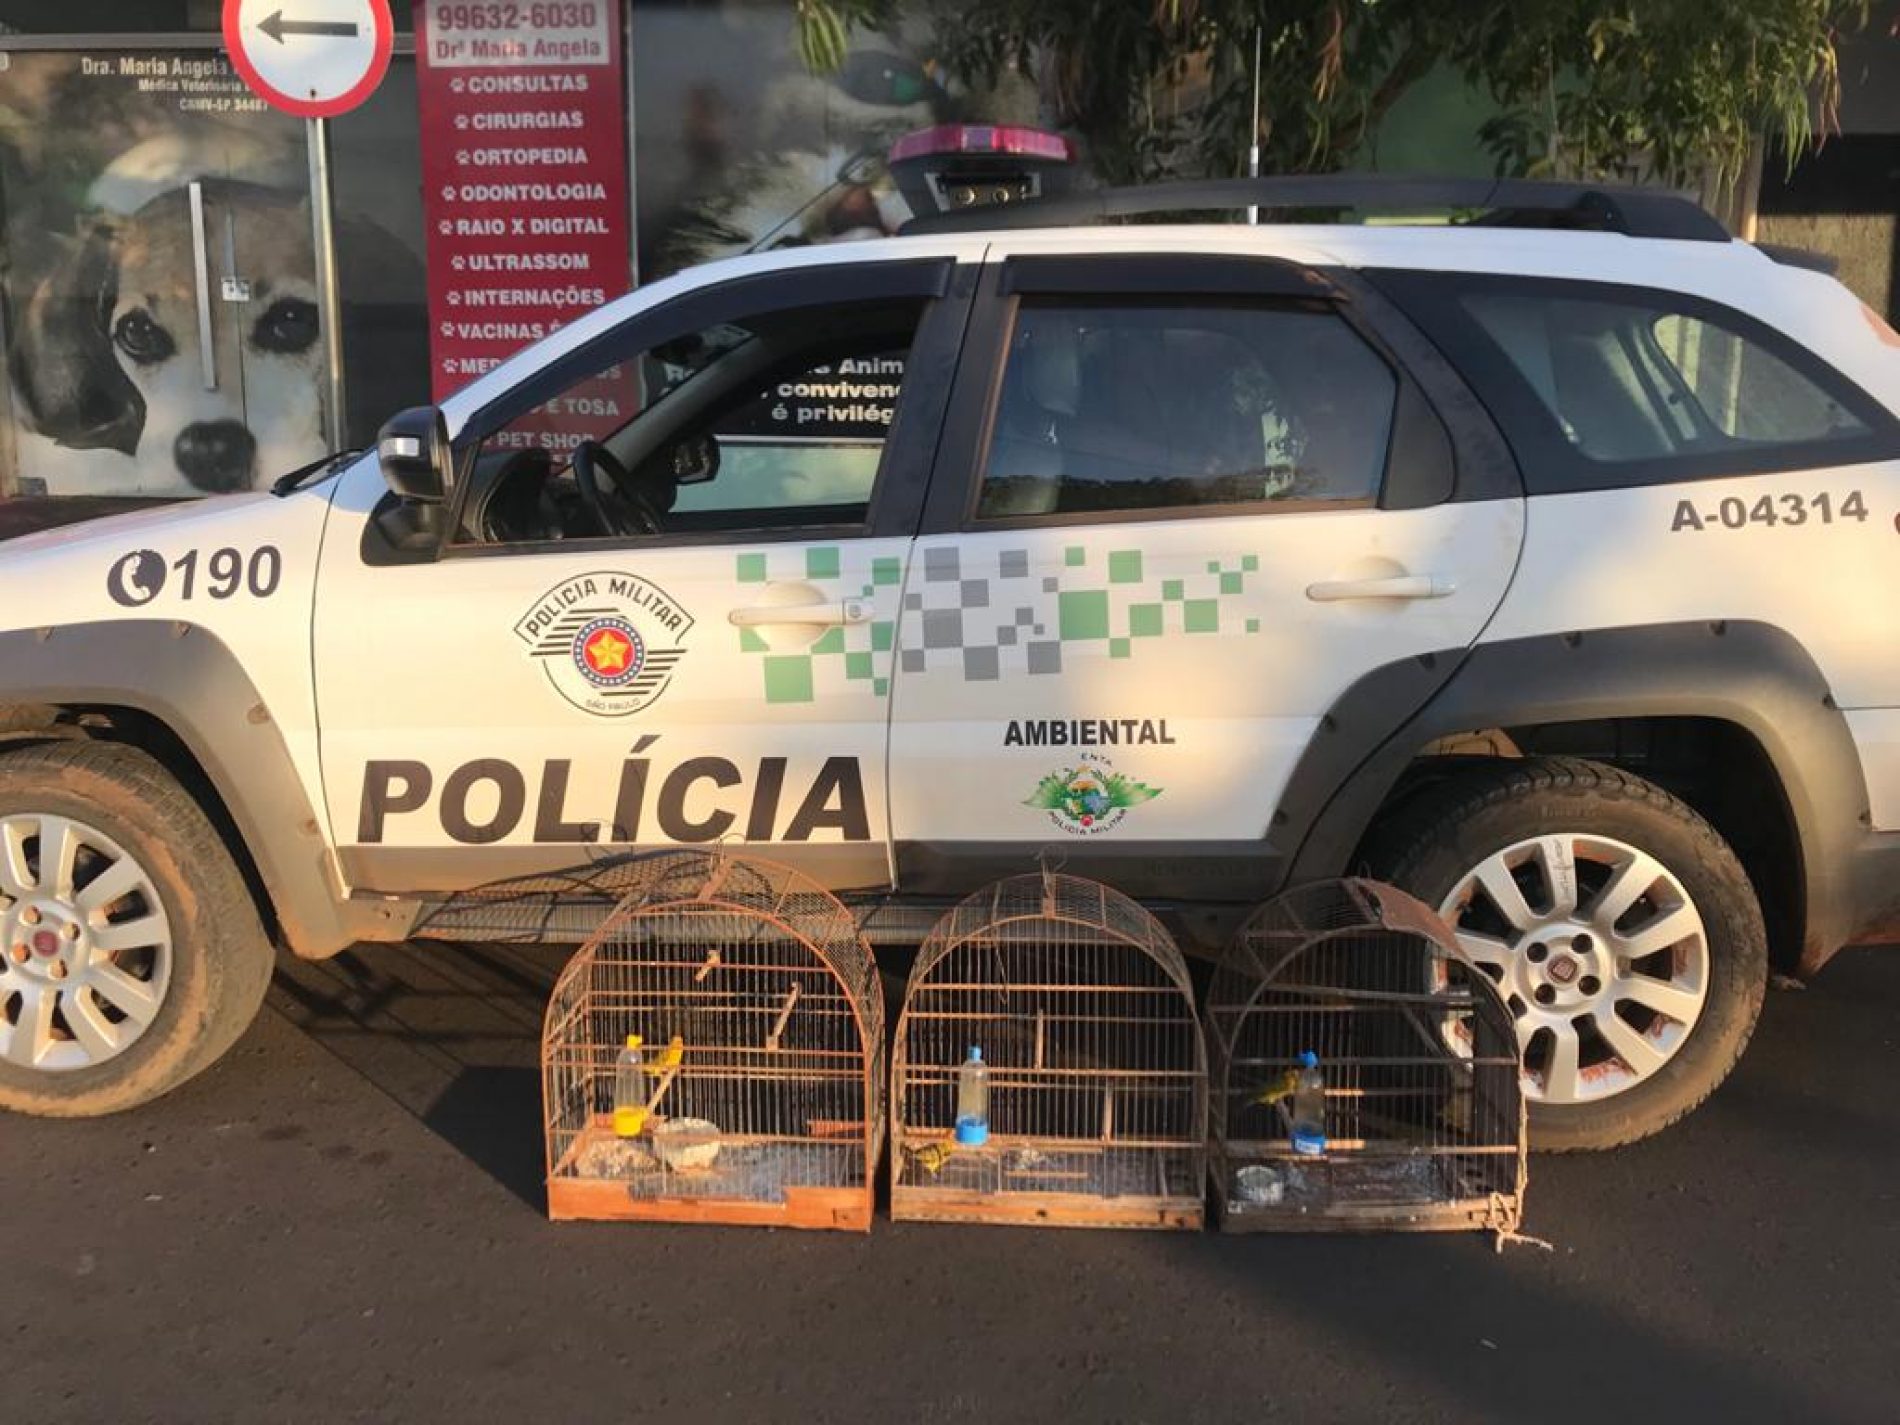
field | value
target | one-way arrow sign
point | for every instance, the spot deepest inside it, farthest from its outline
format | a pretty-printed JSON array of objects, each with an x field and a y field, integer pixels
[
  {"x": 312, "y": 58},
  {"x": 276, "y": 26}
]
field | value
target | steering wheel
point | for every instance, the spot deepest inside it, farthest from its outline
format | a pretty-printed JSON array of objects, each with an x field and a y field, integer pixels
[{"x": 615, "y": 505}]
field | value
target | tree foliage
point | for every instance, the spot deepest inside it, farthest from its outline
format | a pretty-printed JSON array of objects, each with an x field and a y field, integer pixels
[
  {"x": 1593, "y": 88},
  {"x": 824, "y": 27}
]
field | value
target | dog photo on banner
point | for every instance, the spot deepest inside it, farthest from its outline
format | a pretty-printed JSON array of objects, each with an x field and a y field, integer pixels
[{"x": 160, "y": 301}]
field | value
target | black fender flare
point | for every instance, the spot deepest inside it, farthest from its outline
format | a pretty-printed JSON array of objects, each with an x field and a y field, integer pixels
[
  {"x": 185, "y": 678},
  {"x": 1753, "y": 675}
]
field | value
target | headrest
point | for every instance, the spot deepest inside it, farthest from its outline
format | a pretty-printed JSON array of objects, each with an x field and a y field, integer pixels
[{"x": 1048, "y": 359}]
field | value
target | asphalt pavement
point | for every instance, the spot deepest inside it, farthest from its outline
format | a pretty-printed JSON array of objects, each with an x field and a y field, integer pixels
[{"x": 343, "y": 1221}]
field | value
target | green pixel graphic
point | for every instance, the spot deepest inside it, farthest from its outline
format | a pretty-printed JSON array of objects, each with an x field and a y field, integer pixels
[
  {"x": 788, "y": 678},
  {"x": 992, "y": 615},
  {"x": 846, "y": 657},
  {"x": 1082, "y": 614},
  {"x": 1130, "y": 607}
]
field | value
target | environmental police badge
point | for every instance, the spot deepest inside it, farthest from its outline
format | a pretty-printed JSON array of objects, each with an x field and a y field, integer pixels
[
  {"x": 1089, "y": 798},
  {"x": 607, "y": 642}
]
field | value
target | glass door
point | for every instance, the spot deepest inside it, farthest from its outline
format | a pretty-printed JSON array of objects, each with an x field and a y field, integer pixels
[{"x": 254, "y": 406}]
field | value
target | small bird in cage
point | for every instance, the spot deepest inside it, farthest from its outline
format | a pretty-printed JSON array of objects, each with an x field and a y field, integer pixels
[
  {"x": 932, "y": 1156},
  {"x": 675, "y": 1051},
  {"x": 1281, "y": 1087}
]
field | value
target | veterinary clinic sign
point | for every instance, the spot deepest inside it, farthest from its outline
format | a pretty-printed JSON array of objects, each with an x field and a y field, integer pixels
[{"x": 524, "y": 167}]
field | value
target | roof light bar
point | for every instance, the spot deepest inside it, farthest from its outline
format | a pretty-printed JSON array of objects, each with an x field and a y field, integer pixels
[
  {"x": 1520, "y": 202},
  {"x": 945, "y": 139}
]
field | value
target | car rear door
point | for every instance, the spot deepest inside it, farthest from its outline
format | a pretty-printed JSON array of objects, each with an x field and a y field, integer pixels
[
  {"x": 1735, "y": 453},
  {"x": 1183, "y": 506}
]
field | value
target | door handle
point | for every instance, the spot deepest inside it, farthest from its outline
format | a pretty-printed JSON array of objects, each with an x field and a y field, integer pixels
[
  {"x": 201, "y": 271},
  {"x": 821, "y": 615},
  {"x": 1400, "y": 586}
]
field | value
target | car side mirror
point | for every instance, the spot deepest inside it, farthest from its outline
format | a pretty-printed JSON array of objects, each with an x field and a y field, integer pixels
[
  {"x": 694, "y": 460},
  {"x": 413, "y": 449}
]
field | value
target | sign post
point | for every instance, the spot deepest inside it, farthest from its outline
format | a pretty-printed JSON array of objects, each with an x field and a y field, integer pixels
[
  {"x": 329, "y": 299},
  {"x": 315, "y": 59}
]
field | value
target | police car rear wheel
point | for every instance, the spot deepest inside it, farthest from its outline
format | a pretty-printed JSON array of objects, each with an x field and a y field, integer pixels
[
  {"x": 131, "y": 956},
  {"x": 1618, "y": 926}
]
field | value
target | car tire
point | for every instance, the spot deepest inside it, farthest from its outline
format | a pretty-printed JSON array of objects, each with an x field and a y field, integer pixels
[
  {"x": 1680, "y": 1010},
  {"x": 121, "y": 906}
]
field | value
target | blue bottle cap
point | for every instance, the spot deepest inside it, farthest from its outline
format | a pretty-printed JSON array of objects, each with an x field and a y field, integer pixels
[
  {"x": 976, "y": 1053},
  {"x": 1308, "y": 1059}
]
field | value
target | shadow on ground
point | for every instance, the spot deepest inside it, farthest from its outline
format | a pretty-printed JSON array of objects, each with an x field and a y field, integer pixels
[{"x": 452, "y": 1033}]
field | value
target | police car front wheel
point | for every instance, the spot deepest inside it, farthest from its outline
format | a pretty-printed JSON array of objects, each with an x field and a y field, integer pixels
[
  {"x": 131, "y": 955},
  {"x": 1618, "y": 926}
]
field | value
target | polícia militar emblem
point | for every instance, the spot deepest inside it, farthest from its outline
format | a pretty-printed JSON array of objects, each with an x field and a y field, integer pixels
[
  {"x": 608, "y": 642},
  {"x": 609, "y": 652}
]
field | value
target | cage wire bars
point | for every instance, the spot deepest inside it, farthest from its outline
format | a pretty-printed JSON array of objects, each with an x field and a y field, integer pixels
[
  {"x": 761, "y": 1017},
  {"x": 1083, "y": 1010},
  {"x": 551, "y": 908},
  {"x": 1424, "y": 1117}
]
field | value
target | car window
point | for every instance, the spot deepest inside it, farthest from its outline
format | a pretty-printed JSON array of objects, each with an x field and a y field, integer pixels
[
  {"x": 1746, "y": 392},
  {"x": 1171, "y": 405},
  {"x": 1636, "y": 381},
  {"x": 772, "y": 423},
  {"x": 813, "y": 437},
  {"x": 605, "y": 400}
]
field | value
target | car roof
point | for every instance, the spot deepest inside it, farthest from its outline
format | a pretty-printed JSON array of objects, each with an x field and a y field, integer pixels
[{"x": 1599, "y": 256}]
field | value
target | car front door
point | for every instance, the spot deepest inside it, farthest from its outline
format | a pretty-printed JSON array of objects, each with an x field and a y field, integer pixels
[
  {"x": 1201, "y": 501},
  {"x": 699, "y": 649}
]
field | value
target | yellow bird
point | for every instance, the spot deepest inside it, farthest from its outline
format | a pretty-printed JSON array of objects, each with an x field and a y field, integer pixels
[
  {"x": 932, "y": 1156},
  {"x": 675, "y": 1052},
  {"x": 1281, "y": 1087}
]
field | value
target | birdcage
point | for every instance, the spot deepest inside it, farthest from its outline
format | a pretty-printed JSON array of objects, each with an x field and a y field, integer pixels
[
  {"x": 758, "y": 1097},
  {"x": 1080, "y": 1005},
  {"x": 561, "y": 907},
  {"x": 1424, "y": 1126}
]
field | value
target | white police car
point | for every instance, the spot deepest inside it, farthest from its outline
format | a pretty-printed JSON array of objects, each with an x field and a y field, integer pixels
[{"x": 1545, "y": 564}]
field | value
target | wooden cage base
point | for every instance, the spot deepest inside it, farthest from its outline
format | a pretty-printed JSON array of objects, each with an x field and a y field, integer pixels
[
  {"x": 1050, "y": 1182},
  {"x": 604, "y": 1200},
  {"x": 1045, "y": 1209},
  {"x": 1357, "y": 1199},
  {"x": 573, "y": 1198},
  {"x": 1473, "y": 1215}
]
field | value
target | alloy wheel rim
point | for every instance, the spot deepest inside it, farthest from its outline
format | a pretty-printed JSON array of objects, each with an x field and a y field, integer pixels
[
  {"x": 85, "y": 945},
  {"x": 1599, "y": 952}
]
